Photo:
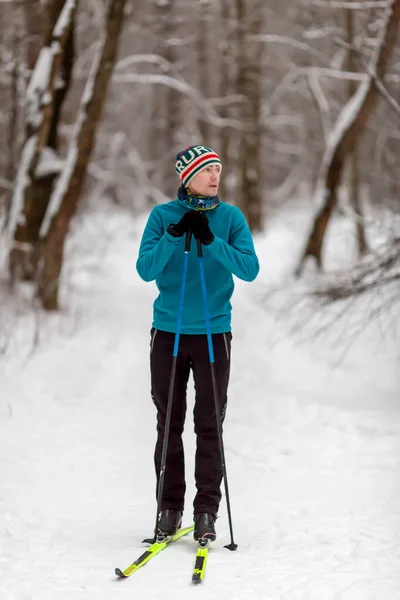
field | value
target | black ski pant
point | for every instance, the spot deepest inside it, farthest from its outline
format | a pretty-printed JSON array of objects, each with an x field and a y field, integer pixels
[{"x": 192, "y": 355}]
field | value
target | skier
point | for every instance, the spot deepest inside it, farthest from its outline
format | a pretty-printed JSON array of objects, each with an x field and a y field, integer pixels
[{"x": 227, "y": 250}]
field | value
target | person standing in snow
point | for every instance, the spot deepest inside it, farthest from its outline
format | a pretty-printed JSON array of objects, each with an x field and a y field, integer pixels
[{"x": 227, "y": 250}]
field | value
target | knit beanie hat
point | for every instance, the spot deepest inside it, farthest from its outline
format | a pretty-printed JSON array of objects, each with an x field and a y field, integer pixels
[{"x": 191, "y": 161}]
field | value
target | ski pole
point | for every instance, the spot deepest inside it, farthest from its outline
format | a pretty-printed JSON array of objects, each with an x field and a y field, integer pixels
[
  {"x": 172, "y": 382},
  {"x": 232, "y": 545}
]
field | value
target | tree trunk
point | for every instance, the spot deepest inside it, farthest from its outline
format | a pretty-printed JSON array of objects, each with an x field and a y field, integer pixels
[
  {"x": 225, "y": 88},
  {"x": 203, "y": 66},
  {"x": 67, "y": 193},
  {"x": 249, "y": 198},
  {"x": 348, "y": 127},
  {"x": 353, "y": 160},
  {"x": 33, "y": 189},
  {"x": 13, "y": 122},
  {"x": 166, "y": 109},
  {"x": 54, "y": 8},
  {"x": 173, "y": 101},
  {"x": 355, "y": 201}
]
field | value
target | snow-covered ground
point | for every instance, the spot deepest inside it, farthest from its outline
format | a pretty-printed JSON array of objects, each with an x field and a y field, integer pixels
[{"x": 312, "y": 438}]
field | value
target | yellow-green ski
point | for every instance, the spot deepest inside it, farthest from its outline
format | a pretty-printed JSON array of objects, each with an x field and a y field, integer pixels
[
  {"x": 152, "y": 551},
  {"x": 201, "y": 560}
]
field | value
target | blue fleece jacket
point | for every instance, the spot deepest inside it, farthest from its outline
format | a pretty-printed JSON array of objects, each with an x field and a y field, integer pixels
[{"x": 161, "y": 258}]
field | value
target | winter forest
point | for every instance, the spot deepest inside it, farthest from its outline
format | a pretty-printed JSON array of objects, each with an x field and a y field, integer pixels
[
  {"x": 298, "y": 98},
  {"x": 301, "y": 100}
]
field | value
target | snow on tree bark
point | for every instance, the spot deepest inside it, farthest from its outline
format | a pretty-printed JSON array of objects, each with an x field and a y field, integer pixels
[
  {"x": 32, "y": 189},
  {"x": 67, "y": 192},
  {"x": 348, "y": 127}
]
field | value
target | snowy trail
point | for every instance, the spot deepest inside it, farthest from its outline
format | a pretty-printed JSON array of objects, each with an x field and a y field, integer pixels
[{"x": 315, "y": 483}]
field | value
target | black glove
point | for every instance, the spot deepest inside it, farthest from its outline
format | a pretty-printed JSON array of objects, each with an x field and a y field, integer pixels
[
  {"x": 180, "y": 228},
  {"x": 197, "y": 222},
  {"x": 201, "y": 229}
]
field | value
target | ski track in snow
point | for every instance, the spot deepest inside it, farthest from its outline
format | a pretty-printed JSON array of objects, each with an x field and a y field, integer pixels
[{"x": 314, "y": 480}]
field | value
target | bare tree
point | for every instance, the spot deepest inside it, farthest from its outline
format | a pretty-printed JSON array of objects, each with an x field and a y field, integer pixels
[
  {"x": 375, "y": 272},
  {"x": 225, "y": 90},
  {"x": 67, "y": 193},
  {"x": 375, "y": 278},
  {"x": 46, "y": 92},
  {"x": 249, "y": 87},
  {"x": 14, "y": 119},
  {"x": 235, "y": 70},
  {"x": 166, "y": 102},
  {"x": 353, "y": 160},
  {"x": 348, "y": 128},
  {"x": 173, "y": 98},
  {"x": 204, "y": 65}
]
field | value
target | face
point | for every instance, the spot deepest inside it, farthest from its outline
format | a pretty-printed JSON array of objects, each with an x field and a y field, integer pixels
[{"x": 206, "y": 182}]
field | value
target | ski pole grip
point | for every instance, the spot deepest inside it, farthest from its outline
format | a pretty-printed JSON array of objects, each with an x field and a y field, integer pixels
[
  {"x": 199, "y": 248},
  {"x": 188, "y": 240}
]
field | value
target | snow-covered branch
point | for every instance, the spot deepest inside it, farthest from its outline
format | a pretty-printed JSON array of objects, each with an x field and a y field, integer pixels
[
  {"x": 376, "y": 271},
  {"x": 39, "y": 109},
  {"x": 185, "y": 88},
  {"x": 354, "y": 106},
  {"x": 288, "y": 41},
  {"x": 365, "y": 5},
  {"x": 21, "y": 183},
  {"x": 41, "y": 85},
  {"x": 322, "y": 102},
  {"x": 370, "y": 74},
  {"x": 338, "y": 74},
  {"x": 348, "y": 127},
  {"x": 228, "y": 100},
  {"x": 386, "y": 95},
  {"x": 154, "y": 59},
  {"x": 67, "y": 192},
  {"x": 63, "y": 182},
  {"x": 382, "y": 89},
  {"x": 321, "y": 32}
]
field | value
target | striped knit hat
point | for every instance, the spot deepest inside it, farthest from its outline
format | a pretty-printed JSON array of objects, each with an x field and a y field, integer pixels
[{"x": 191, "y": 161}]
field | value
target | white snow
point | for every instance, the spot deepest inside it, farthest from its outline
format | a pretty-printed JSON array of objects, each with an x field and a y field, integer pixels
[
  {"x": 37, "y": 96},
  {"x": 312, "y": 442},
  {"x": 63, "y": 182},
  {"x": 49, "y": 162},
  {"x": 37, "y": 85},
  {"x": 22, "y": 181},
  {"x": 65, "y": 18}
]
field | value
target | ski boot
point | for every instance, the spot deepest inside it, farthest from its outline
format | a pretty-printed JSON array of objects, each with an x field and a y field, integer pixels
[
  {"x": 169, "y": 521},
  {"x": 204, "y": 526}
]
